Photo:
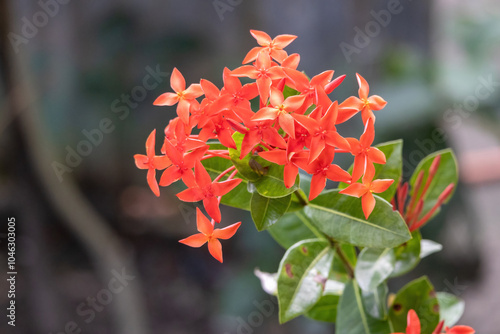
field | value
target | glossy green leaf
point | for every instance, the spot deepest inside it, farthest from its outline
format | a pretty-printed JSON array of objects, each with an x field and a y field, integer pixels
[
  {"x": 407, "y": 255},
  {"x": 446, "y": 174},
  {"x": 420, "y": 296},
  {"x": 267, "y": 211},
  {"x": 302, "y": 274},
  {"x": 428, "y": 247},
  {"x": 341, "y": 217},
  {"x": 375, "y": 301},
  {"x": 393, "y": 168},
  {"x": 325, "y": 309},
  {"x": 271, "y": 184},
  {"x": 290, "y": 229},
  {"x": 451, "y": 308},
  {"x": 373, "y": 267},
  {"x": 352, "y": 317},
  {"x": 244, "y": 165}
]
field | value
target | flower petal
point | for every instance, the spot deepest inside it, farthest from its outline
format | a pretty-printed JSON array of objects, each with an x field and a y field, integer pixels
[
  {"x": 226, "y": 232},
  {"x": 281, "y": 41},
  {"x": 170, "y": 175},
  {"x": 263, "y": 39},
  {"x": 161, "y": 162},
  {"x": 413, "y": 323},
  {"x": 355, "y": 189},
  {"x": 379, "y": 186},
  {"x": 211, "y": 205},
  {"x": 222, "y": 188},
  {"x": 150, "y": 144},
  {"x": 194, "y": 91},
  {"x": 196, "y": 240},
  {"x": 215, "y": 249},
  {"x": 287, "y": 123},
  {"x": 141, "y": 161},
  {"x": 368, "y": 135},
  {"x": 335, "y": 173},
  {"x": 166, "y": 99},
  {"x": 318, "y": 183},
  {"x": 201, "y": 175},
  {"x": 364, "y": 88},
  {"x": 203, "y": 224},
  {"x": 368, "y": 204},
  {"x": 151, "y": 177},
  {"x": 376, "y": 102},
  {"x": 177, "y": 81},
  {"x": 252, "y": 55},
  {"x": 191, "y": 195}
]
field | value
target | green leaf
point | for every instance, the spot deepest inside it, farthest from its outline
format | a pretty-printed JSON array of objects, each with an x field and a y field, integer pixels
[
  {"x": 446, "y": 174},
  {"x": 325, "y": 309},
  {"x": 375, "y": 301},
  {"x": 420, "y": 296},
  {"x": 393, "y": 168},
  {"x": 291, "y": 229},
  {"x": 451, "y": 308},
  {"x": 352, "y": 317},
  {"x": 302, "y": 274},
  {"x": 288, "y": 91},
  {"x": 239, "y": 197},
  {"x": 428, "y": 247},
  {"x": 271, "y": 184},
  {"x": 373, "y": 267},
  {"x": 407, "y": 255},
  {"x": 244, "y": 165},
  {"x": 266, "y": 211},
  {"x": 341, "y": 218}
]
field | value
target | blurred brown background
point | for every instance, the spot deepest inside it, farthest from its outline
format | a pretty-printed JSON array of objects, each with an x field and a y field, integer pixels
[{"x": 98, "y": 252}]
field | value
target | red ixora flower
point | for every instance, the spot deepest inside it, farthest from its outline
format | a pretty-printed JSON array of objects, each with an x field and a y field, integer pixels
[
  {"x": 366, "y": 189},
  {"x": 184, "y": 97},
  {"x": 274, "y": 47},
  {"x": 152, "y": 162},
  {"x": 364, "y": 103},
  {"x": 210, "y": 235},
  {"x": 413, "y": 326},
  {"x": 207, "y": 191}
]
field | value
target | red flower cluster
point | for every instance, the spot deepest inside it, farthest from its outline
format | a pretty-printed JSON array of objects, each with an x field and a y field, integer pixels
[
  {"x": 413, "y": 326},
  {"x": 297, "y": 131}
]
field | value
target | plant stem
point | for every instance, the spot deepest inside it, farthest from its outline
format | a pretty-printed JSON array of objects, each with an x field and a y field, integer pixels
[
  {"x": 343, "y": 258},
  {"x": 300, "y": 195}
]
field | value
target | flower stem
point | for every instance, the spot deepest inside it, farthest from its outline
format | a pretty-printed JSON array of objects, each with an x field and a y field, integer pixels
[{"x": 224, "y": 173}]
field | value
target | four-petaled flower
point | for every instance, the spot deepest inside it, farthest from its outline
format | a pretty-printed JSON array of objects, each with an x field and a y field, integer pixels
[
  {"x": 184, "y": 97},
  {"x": 364, "y": 103},
  {"x": 208, "y": 191},
  {"x": 210, "y": 235},
  {"x": 366, "y": 189},
  {"x": 365, "y": 155},
  {"x": 280, "y": 110},
  {"x": 273, "y": 47}
]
